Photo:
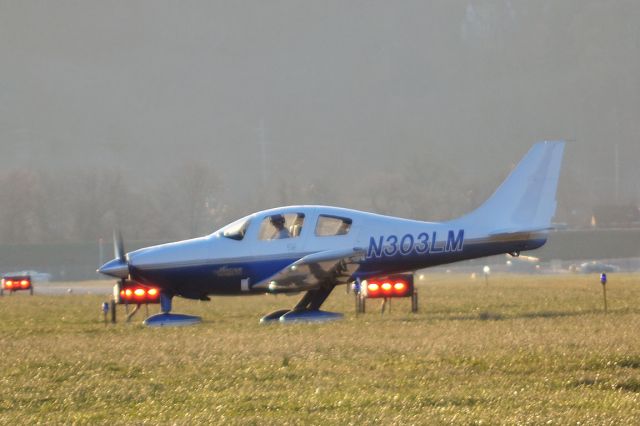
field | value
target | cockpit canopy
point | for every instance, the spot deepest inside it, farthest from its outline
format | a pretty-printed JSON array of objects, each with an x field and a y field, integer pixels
[{"x": 278, "y": 225}]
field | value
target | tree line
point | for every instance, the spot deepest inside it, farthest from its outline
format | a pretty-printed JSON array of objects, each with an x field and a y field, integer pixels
[
  {"x": 43, "y": 206},
  {"x": 192, "y": 200}
]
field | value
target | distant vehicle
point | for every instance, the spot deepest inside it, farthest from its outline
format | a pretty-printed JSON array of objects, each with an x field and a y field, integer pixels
[
  {"x": 593, "y": 267},
  {"x": 314, "y": 248},
  {"x": 16, "y": 282}
]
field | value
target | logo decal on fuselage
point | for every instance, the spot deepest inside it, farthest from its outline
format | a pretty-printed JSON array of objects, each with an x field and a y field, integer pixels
[
  {"x": 422, "y": 243},
  {"x": 225, "y": 271}
]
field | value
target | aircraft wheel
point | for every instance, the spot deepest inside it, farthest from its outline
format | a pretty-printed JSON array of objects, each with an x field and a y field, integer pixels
[{"x": 414, "y": 302}]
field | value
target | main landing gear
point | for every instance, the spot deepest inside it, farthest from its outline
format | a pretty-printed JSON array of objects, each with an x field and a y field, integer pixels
[
  {"x": 167, "y": 319},
  {"x": 307, "y": 309}
]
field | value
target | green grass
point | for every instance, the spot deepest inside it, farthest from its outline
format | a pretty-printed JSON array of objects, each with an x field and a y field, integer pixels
[{"x": 522, "y": 350}]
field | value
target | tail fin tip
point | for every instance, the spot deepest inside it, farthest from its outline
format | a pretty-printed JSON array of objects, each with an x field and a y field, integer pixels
[{"x": 527, "y": 197}]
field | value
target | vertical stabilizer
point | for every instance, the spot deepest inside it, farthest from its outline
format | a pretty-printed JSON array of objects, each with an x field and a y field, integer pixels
[{"x": 526, "y": 200}]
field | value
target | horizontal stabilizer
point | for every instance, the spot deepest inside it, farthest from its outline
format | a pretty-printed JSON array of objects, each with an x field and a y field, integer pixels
[{"x": 521, "y": 231}]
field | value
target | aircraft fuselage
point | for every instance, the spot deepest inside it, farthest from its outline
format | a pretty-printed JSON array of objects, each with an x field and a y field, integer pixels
[{"x": 218, "y": 265}]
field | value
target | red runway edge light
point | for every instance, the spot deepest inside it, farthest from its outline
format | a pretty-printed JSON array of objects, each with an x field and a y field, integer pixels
[
  {"x": 16, "y": 283},
  {"x": 394, "y": 286},
  {"x": 135, "y": 293}
]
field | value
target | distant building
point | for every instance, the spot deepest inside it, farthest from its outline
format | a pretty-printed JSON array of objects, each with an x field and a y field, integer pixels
[{"x": 616, "y": 216}]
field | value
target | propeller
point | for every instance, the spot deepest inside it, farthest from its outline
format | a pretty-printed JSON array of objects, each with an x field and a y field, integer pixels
[
  {"x": 120, "y": 254},
  {"x": 118, "y": 267},
  {"x": 118, "y": 246}
]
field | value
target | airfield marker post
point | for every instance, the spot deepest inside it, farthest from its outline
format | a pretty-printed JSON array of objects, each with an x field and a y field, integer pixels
[
  {"x": 357, "y": 292},
  {"x": 105, "y": 311},
  {"x": 113, "y": 311},
  {"x": 486, "y": 270},
  {"x": 603, "y": 281}
]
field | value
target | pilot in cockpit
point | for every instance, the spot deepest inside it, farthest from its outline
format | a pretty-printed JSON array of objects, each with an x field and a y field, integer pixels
[{"x": 280, "y": 230}]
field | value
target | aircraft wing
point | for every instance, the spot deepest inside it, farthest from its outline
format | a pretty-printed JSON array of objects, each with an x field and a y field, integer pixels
[{"x": 311, "y": 271}]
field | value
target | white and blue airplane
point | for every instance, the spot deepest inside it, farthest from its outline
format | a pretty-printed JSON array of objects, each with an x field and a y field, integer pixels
[{"x": 312, "y": 249}]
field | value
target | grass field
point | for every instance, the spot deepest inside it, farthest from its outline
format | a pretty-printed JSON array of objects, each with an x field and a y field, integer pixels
[{"x": 522, "y": 350}]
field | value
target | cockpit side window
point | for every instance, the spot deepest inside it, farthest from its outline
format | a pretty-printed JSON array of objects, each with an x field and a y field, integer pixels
[
  {"x": 280, "y": 226},
  {"x": 329, "y": 226},
  {"x": 235, "y": 230}
]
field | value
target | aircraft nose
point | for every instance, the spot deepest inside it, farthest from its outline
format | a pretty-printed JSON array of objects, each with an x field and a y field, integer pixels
[{"x": 115, "y": 268}]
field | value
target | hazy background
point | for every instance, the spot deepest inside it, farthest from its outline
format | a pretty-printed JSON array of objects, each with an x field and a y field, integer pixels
[{"x": 169, "y": 119}]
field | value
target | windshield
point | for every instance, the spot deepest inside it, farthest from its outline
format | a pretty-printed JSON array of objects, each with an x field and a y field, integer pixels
[{"x": 235, "y": 230}]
